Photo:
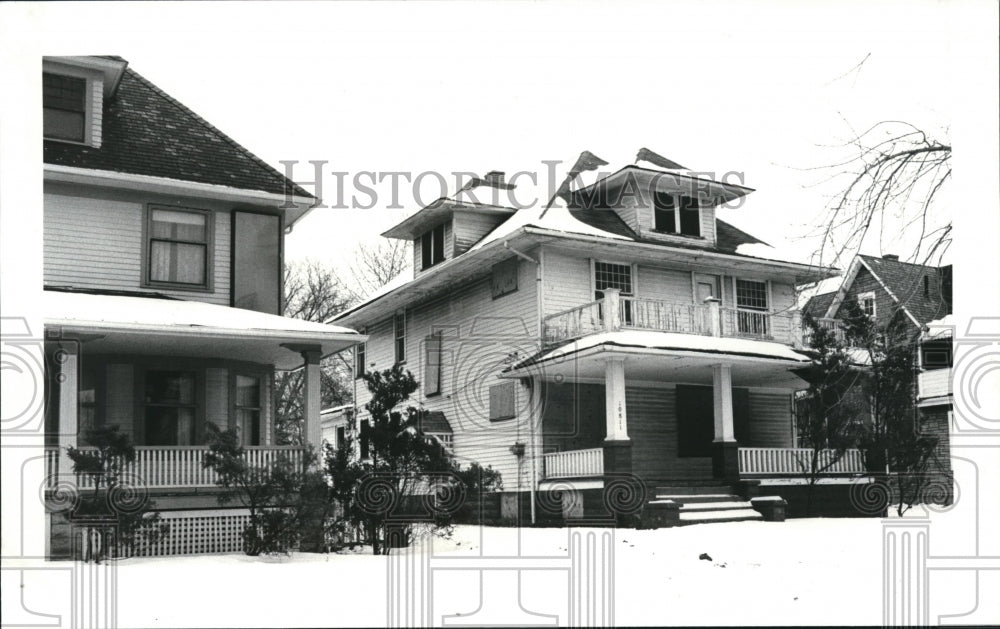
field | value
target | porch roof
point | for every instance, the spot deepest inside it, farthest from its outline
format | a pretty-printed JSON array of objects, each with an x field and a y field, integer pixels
[
  {"x": 669, "y": 356},
  {"x": 129, "y": 323}
]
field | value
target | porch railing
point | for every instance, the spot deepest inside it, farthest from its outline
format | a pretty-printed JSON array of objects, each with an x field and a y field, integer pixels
[
  {"x": 176, "y": 466},
  {"x": 797, "y": 461},
  {"x": 638, "y": 313},
  {"x": 574, "y": 463}
]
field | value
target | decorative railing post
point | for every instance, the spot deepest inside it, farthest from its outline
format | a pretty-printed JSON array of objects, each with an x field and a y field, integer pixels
[{"x": 612, "y": 309}]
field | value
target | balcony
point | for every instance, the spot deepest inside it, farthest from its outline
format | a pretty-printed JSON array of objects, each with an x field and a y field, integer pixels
[
  {"x": 634, "y": 313},
  {"x": 934, "y": 383},
  {"x": 171, "y": 467}
]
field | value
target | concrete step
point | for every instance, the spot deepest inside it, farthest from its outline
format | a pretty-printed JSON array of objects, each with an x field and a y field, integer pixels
[
  {"x": 734, "y": 515},
  {"x": 693, "y": 490},
  {"x": 731, "y": 505},
  {"x": 695, "y": 498}
]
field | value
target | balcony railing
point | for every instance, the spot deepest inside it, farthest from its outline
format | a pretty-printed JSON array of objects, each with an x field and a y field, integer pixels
[
  {"x": 574, "y": 463},
  {"x": 175, "y": 466},
  {"x": 934, "y": 383},
  {"x": 797, "y": 462},
  {"x": 635, "y": 313}
]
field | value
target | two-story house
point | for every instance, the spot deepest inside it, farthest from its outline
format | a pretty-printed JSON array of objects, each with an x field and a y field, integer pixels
[
  {"x": 621, "y": 333},
  {"x": 163, "y": 254},
  {"x": 919, "y": 297}
]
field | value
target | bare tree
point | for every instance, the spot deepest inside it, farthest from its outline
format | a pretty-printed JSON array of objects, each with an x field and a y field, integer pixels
[
  {"x": 375, "y": 266},
  {"x": 888, "y": 186},
  {"x": 312, "y": 292}
]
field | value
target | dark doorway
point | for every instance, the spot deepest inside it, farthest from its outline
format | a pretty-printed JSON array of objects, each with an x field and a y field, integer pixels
[{"x": 695, "y": 421}]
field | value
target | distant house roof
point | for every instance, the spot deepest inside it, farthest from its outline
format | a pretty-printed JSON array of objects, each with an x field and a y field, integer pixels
[
  {"x": 148, "y": 132},
  {"x": 904, "y": 282},
  {"x": 819, "y": 304}
]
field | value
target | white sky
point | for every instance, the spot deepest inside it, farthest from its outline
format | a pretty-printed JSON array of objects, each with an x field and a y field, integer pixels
[{"x": 763, "y": 88}]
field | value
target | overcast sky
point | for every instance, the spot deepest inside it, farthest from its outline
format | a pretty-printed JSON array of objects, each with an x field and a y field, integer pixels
[{"x": 766, "y": 89}]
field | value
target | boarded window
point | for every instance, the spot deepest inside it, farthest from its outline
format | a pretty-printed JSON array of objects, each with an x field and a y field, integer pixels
[
  {"x": 64, "y": 107},
  {"x": 502, "y": 401},
  {"x": 504, "y": 278},
  {"x": 432, "y": 364}
]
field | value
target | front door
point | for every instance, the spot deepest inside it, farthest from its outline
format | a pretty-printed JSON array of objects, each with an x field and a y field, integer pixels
[
  {"x": 706, "y": 286},
  {"x": 695, "y": 421}
]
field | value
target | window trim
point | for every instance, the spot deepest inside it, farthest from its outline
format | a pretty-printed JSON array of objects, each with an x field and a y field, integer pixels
[
  {"x": 633, "y": 275},
  {"x": 443, "y": 257},
  {"x": 767, "y": 294},
  {"x": 145, "y": 267},
  {"x": 361, "y": 356},
  {"x": 88, "y": 105},
  {"x": 862, "y": 297},
  {"x": 397, "y": 337}
]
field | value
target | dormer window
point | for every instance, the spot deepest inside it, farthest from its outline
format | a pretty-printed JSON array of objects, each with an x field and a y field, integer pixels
[
  {"x": 673, "y": 214},
  {"x": 64, "y": 102},
  {"x": 432, "y": 247}
]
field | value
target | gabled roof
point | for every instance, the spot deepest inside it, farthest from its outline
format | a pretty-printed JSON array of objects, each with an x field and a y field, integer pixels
[
  {"x": 903, "y": 282},
  {"x": 818, "y": 305},
  {"x": 147, "y": 132}
]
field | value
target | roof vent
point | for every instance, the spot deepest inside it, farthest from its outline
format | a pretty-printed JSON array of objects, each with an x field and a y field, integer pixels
[
  {"x": 891, "y": 256},
  {"x": 494, "y": 178}
]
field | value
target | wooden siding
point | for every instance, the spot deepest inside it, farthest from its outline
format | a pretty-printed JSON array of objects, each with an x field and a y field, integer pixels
[
  {"x": 93, "y": 242},
  {"x": 664, "y": 284},
  {"x": 478, "y": 336},
  {"x": 566, "y": 282},
  {"x": 470, "y": 227}
]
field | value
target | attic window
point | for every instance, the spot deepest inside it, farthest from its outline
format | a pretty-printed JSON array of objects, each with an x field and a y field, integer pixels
[
  {"x": 676, "y": 214},
  {"x": 867, "y": 303},
  {"x": 64, "y": 103},
  {"x": 432, "y": 247}
]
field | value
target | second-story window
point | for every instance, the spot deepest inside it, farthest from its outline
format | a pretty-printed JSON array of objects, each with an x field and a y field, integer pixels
[
  {"x": 399, "y": 336},
  {"x": 432, "y": 247},
  {"x": 360, "y": 357},
  {"x": 611, "y": 275},
  {"x": 751, "y": 304},
  {"x": 674, "y": 214},
  {"x": 64, "y": 107},
  {"x": 178, "y": 247}
]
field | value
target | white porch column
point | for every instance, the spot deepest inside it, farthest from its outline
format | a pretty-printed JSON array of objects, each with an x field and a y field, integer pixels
[
  {"x": 614, "y": 398},
  {"x": 311, "y": 398},
  {"x": 68, "y": 359},
  {"x": 722, "y": 389}
]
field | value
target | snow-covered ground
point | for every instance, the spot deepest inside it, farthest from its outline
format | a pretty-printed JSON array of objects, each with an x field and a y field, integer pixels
[{"x": 808, "y": 571}]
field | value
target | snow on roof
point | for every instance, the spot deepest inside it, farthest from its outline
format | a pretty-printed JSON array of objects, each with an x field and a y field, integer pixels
[
  {"x": 336, "y": 409},
  {"x": 139, "y": 313},
  {"x": 940, "y": 328},
  {"x": 675, "y": 341},
  {"x": 557, "y": 218}
]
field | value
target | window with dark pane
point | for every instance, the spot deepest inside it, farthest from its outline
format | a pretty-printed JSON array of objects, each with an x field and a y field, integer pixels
[
  {"x": 178, "y": 247},
  {"x": 610, "y": 275},
  {"x": 664, "y": 213},
  {"x": 64, "y": 109},
  {"x": 169, "y": 401},
  {"x": 432, "y": 247},
  {"x": 364, "y": 428},
  {"x": 690, "y": 217},
  {"x": 360, "y": 357},
  {"x": 248, "y": 410},
  {"x": 399, "y": 334}
]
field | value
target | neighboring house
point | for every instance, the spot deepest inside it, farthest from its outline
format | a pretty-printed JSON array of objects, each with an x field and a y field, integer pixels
[
  {"x": 163, "y": 254},
  {"x": 919, "y": 297},
  {"x": 621, "y": 333}
]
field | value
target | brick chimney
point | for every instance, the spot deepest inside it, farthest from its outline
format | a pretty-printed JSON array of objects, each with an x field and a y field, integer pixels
[
  {"x": 494, "y": 178},
  {"x": 891, "y": 256}
]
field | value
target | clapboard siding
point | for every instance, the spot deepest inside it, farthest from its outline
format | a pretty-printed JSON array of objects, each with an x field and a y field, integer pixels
[
  {"x": 566, "y": 281},
  {"x": 96, "y": 243},
  {"x": 479, "y": 334},
  {"x": 652, "y": 427},
  {"x": 664, "y": 284},
  {"x": 770, "y": 420},
  {"x": 470, "y": 227}
]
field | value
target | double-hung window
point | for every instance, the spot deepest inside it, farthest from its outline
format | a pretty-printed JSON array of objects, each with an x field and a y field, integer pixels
[
  {"x": 178, "y": 247},
  {"x": 866, "y": 301},
  {"x": 612, "y": 275},
  {"x": 399, "y": 336},
  {"x": 432, "y": 247},
  {"x": 169, "y": 408},
  {"x": 751, "y": 307},
  {"x": 360, "y": 357},
  {"x": 248, "y": 410},
  {"x": 64, "y": 107}
]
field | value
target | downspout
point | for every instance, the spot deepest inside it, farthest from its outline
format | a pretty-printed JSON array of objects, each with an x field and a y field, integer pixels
[{"x": 535, "y": 383}]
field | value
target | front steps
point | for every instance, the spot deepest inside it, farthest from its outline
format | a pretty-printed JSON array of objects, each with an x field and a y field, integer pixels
[{"x": 714, "y": 505}]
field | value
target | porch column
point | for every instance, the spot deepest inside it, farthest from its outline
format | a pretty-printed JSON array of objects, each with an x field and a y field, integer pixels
[
  {"x": 68, "y": 359},
  {"x": 725, "y": 463},
  {"x": 617, "y": 446},
  {"x": 311, "y": 398}
]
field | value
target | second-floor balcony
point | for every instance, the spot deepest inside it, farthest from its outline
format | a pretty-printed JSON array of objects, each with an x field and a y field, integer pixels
[{"x": 616, "y": 312}]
